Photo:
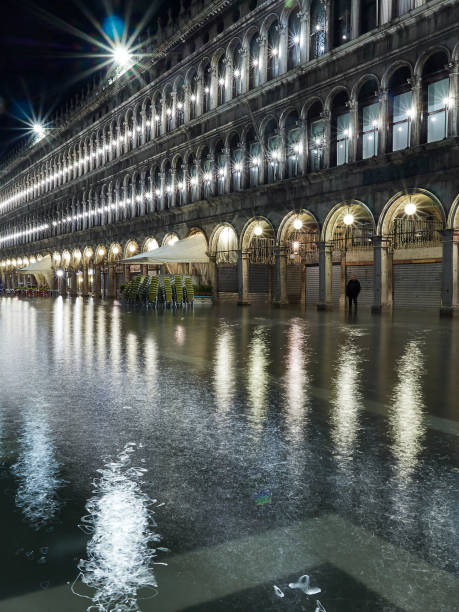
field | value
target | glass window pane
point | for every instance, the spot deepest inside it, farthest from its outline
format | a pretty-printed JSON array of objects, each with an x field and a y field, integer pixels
[
  {"x": 342, "y": 124},
  {"x": 436, "y": 94},
  {"x": 402, "y": 104},
  {"x": 400, "y": 134},
  {"x": 370, "y": 114},
  {"x": 436, "y": 126},
  {"x": 370, "y": 144}
]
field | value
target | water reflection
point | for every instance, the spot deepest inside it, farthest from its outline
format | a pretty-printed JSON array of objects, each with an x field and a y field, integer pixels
[
  {"x": 406, "y": 411},
  {"x": 297, "y": 380},
  {"x": 346, "y": 399},
  {"x": 37, "y": 471},
  {"x": 120, "y": 551},
  {"x": 257, "y": 378},
  {"x": 224, "y": 368}
]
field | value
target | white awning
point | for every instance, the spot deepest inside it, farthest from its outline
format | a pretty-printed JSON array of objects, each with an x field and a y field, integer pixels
[
  {"x": 188, "y": 250},
  {"x": 41, "y": 269}
]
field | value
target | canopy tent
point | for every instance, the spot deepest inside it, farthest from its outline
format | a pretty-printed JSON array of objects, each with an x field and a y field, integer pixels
[
  {"x": 42, "y": 270},
  {"x": 189, "y": 250}
]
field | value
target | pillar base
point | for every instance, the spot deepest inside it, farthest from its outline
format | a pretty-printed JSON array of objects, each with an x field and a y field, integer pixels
[
  {"x": 449, "y": 311},
  {"x": 324, "y": 306},
  {"x": 243, "y": 303}
]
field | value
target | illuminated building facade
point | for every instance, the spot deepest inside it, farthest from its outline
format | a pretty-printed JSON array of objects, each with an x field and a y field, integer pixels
[{"x": 308, "y": 141}]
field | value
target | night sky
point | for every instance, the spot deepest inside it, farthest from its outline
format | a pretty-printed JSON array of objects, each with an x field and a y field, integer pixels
[{"x": 36, "y": 62}]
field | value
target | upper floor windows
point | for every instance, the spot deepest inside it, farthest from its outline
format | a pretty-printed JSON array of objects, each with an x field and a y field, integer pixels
[{"x": 318, "y": 29}]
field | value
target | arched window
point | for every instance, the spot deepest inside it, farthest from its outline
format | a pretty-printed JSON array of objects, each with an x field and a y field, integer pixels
[
  {"x": 294, "y": 144},
  {"x": 435, "y": 98},
  {"x": 341, "y": 129},
  {"x": 180, "y": 101},
  {"x": 254, "y": 59},
  {"x": 237, "y": 70},
  {"x": 341, "y": 22},
  {"x": 157, "y": 115},
  {"x": 193, "y": 95},
  {"x": 294, "y": 40},
  {"x": 148, "y": 191},
  {"x": 273, "y": 50},
  {"x": 254, "y": 157},
  {"x": 368, "y": 15},
  {"x": 137, "y": 207},
  {"x": 318, "y": 29},
  {"x": 368, "y": 105},
  {"x": 129, "y": 198},
  {"x": 273, "y": 147},
  {"x": 194, "y": 178},
  {"x": 107, "y": 143},
  {"x": 169, "y": 186},
  {"x": 169, "y": 108},
  {"x": 157, "y": 188},
  {"x": 206, "y": 169},
  {"x": 138, "y": 128},
  {"x": 400, "y": 110},
  {"x": 148, "y": 118},
  {"x": 206, "y": 87},
  {"x": 180, "y": 182},
  {"x": 221, "y": 169},
  {"x": 122, "y": 136},
  {"x": 130, "y": 134},
  {"x": 221, "y": 79},
  {"x": 237, "y": 162}
]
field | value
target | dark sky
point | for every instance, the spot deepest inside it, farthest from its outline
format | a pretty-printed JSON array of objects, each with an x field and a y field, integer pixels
[{"x": 36, "y": 50}]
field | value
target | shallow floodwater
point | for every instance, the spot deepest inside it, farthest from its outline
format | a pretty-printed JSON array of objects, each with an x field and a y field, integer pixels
[{"x": 194, "y": 460}]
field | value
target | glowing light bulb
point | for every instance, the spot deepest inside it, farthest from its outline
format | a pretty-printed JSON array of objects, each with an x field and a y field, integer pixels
[
  {"x": 193, "y": 98},
  {"x": 296, "y": 245},
  {"x": 101, "y": 252},
  {"x": 296, "y": 39},
  {"x": 60, "y": 273},
  {"x": 348, "y": 219},
  {"x": 258, "y": 230},
  {"x": 298, "y": 224},
  {"x": 121, "y": 56},
  {"x": 410, "y": 208},
  {"x": 115, "y": 250},
  {"x": 237, "y": 73},
  {"x": 132, "y": 248},
  {"x": 221, "y": 82}
]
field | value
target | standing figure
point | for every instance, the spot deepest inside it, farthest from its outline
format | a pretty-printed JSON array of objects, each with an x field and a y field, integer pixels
[{"x": 352, "y": 291}]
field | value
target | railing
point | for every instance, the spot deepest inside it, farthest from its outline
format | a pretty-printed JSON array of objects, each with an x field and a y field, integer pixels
[
  {"x": 416, "y": 233},
  {"x": 261, "y": 250},
  {"x": 347, "y": 238},
  {"x": 303, "y": 247},
  {"x": 226, "y": 257}
]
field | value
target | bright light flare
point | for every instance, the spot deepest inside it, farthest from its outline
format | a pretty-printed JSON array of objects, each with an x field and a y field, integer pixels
[
  {"x": 348, "y": 219},
  {"x": 410, "y": 208}
]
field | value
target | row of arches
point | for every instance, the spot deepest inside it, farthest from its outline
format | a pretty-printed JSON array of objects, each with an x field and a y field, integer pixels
[{"x": 247, "y": 62}]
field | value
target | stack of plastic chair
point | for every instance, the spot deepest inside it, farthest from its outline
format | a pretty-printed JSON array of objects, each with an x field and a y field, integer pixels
[
  {"x": 167, "y": 290},
  {"x": 153, "y": 291},
  {"x": 178, "y": 289},
  {"x": 143, "y": 289},
  {"x": 134, "y": 288},
  {"x": 189, "y": 290}
]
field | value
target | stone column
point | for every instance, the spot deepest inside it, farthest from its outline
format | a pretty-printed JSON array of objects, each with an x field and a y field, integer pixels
[
  {"x": 354, "y": 135},
  {"x": 280, "y": 271},
  {"x": 85, "y": 287},
  {"x": 382, "y": 269},
  {"x": 453, "y": 111},
  {"x": 97, "y": 280},
  {"x": 450, "y": 273},
  {"x": 325, "y": 115},
  {"x": 383, "y": 125},
  {"x": 355, "y": 18},
  {"x": 213, "y": 276},
  {"x": 111, "y": 293},
  {"x": 73, "y": 284},
  {"x": 127, "y": 273},
  {"x": 415, "y": 121},
  {"x": 325, "y": 276},
  {"x": 243, "y": 278}
]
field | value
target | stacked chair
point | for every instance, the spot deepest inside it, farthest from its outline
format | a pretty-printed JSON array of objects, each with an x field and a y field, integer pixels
[{"x": 153, "y": 290}]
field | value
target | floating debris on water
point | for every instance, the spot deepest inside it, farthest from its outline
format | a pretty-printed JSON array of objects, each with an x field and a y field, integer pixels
[
  {"x": 263, "y": 497},
  {"x": 303, "y": 585},
  {"x": 319, "y": 607},
  {"x": 278, "y": 592}
]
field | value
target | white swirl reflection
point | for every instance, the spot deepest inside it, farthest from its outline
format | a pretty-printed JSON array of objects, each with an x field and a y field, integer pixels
[
  {"x": 406, "y": 411},
  {"x": 258, "y": 378},
  {"x": 38, "y": 472},
  {"x": 119, "y": 553},
  {"x": 224, "y": 374},
  {"x": 347, "y": 399}
]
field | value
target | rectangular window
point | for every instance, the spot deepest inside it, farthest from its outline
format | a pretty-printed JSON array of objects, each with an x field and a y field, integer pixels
[
  {"x": 370, "y": 116},
  {"x": 437, "y": 110},
  {"x": 274, "y": 150},
  {"x": 316, "y": 144},
  {"x": 342, "y": 138},
  {"x": 255, "y": 161},
  {"x": 401, "y": 124},
  {"x": 294, "y": 151}
]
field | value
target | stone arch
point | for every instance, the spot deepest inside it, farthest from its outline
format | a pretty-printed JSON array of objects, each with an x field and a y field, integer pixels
[
  {"x": 149, "y": 244},
  {"x": 130, "y": 248},
  {"x": 422, "y": 198},
  {"x": 357, "y": 86},
  {"x": 338, "y": 89},
  {"x": 303, "y": 215},
  {"x": 169, "y": 239},
  {"x": 392, "y": 69},
  {"x": 249, "y": 232},
  {"x": 356, "y": 208},
  {"x": 427, "y": 54},
  {"x": 453, "y": 216},
  {"x": 215, "y": 234},
  {"x": 114, "y": 252},
  {"x": 100, "y": 253}
]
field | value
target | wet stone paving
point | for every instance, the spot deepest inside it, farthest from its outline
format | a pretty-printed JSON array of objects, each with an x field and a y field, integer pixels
[{"x": 220, "y": 458}]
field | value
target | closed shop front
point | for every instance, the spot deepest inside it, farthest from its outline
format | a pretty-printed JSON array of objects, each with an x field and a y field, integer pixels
[
  {"x": 416, "y": 285},
  {"x": 365, "y": 276},
  {"x": 336, "y": 284},
  {"x": 259, "y": 278},
  {"x": 312, "y": 285},
  {"x": 294, "y": 282},
  {"x": 227, "y": 278}
]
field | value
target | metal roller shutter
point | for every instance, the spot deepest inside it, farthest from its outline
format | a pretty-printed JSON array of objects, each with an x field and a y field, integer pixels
[
  {"x": 365, "y": 275},
  {"x": 227, "y": 279},
  {"x": 312, "y": 285},
  {"x": 294, "y": 283},
  {"x": 259, "y": 278},
  {"x": 336, "y": 283},
  {"x": 417, "y": 285}
]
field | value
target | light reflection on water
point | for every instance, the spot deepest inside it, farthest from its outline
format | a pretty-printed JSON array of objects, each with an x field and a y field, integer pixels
[
  {"x": 257, "y": 379},
  {"x": 37, "y": 470},
  {"x": 297, "y": 379},
  {"x": 121, "y": 550},
  {"x": 224, "y": 372}
]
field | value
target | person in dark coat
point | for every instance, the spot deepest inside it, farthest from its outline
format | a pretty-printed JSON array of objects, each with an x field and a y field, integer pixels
[{"x": 352, "y": 291}]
